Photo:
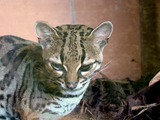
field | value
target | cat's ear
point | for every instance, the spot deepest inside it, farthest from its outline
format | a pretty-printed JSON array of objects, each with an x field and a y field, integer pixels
[
  {"x": 45, "y": 33},
  {"x": 102, "y": 33}
]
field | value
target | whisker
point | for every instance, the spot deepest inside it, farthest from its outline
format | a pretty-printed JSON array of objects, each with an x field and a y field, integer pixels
[{"x": 106, "y": 66}]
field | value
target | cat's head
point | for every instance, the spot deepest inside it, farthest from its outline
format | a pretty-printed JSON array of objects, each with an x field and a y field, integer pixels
[{"x": 73, "y": 52}]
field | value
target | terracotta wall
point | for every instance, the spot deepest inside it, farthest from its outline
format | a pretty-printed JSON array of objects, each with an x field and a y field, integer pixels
[{"x": 18, "y": 17}]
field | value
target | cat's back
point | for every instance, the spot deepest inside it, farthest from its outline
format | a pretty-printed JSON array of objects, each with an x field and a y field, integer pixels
[
  {"x": 12, "y": 51},
  {"x": 11, "y": 44}
]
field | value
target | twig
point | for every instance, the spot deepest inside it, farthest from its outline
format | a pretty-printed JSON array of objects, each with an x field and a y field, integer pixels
[
  {"x": 82, "y": 108},
  {"x": 148, "y": 117},
  {"x": 144, "y": 108},
  {"x": 142, "y": 111},
  {"x": 86, "y": 109},
  {"x": 134, "y": 108}
]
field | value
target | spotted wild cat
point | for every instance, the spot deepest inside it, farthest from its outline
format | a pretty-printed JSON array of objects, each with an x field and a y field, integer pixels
[{"x": 46, "y": 80}]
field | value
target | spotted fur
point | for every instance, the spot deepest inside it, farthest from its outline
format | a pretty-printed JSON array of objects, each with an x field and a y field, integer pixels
[{"x": 46, "y": 80}]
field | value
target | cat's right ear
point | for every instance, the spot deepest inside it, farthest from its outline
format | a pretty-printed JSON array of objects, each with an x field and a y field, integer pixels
[
  {"x": 45, "y": 33},
  {"x": 102, "y": 33}
]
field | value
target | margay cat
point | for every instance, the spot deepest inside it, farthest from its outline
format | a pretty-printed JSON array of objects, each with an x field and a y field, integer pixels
[{"x": 46, "y": 80}]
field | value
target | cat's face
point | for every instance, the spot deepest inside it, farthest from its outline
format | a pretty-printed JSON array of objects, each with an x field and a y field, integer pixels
[{"x": 73, "y": 52}]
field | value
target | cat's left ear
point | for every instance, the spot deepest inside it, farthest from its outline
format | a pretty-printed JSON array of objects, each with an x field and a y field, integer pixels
[
  {"x": 45, "y": 34},
  {"x": 102, "y": 33}
]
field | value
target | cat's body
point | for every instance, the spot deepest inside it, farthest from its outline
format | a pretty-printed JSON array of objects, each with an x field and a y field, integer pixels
[{"x": 47, "y": 80}]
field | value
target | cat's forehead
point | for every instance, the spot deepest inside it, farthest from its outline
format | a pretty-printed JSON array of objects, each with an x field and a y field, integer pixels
[
  {"x": 80, "y": 30},
  {"x": 73, "y": 38}
]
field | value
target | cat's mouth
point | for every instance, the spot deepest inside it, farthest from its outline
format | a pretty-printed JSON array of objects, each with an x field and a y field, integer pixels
[
  {"x": 71, "y": 90},
  {"x": 72, "y": 93},
  {"x": 79, "y": 90}
]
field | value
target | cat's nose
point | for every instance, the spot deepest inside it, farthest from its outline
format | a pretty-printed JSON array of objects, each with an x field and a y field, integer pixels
[{"x": 71, "y": 85}]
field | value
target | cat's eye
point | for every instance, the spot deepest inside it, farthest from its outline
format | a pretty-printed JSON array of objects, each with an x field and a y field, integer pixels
[
  {"x": 85, "y": 68},
  {"x": 57, "y": 67}
]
